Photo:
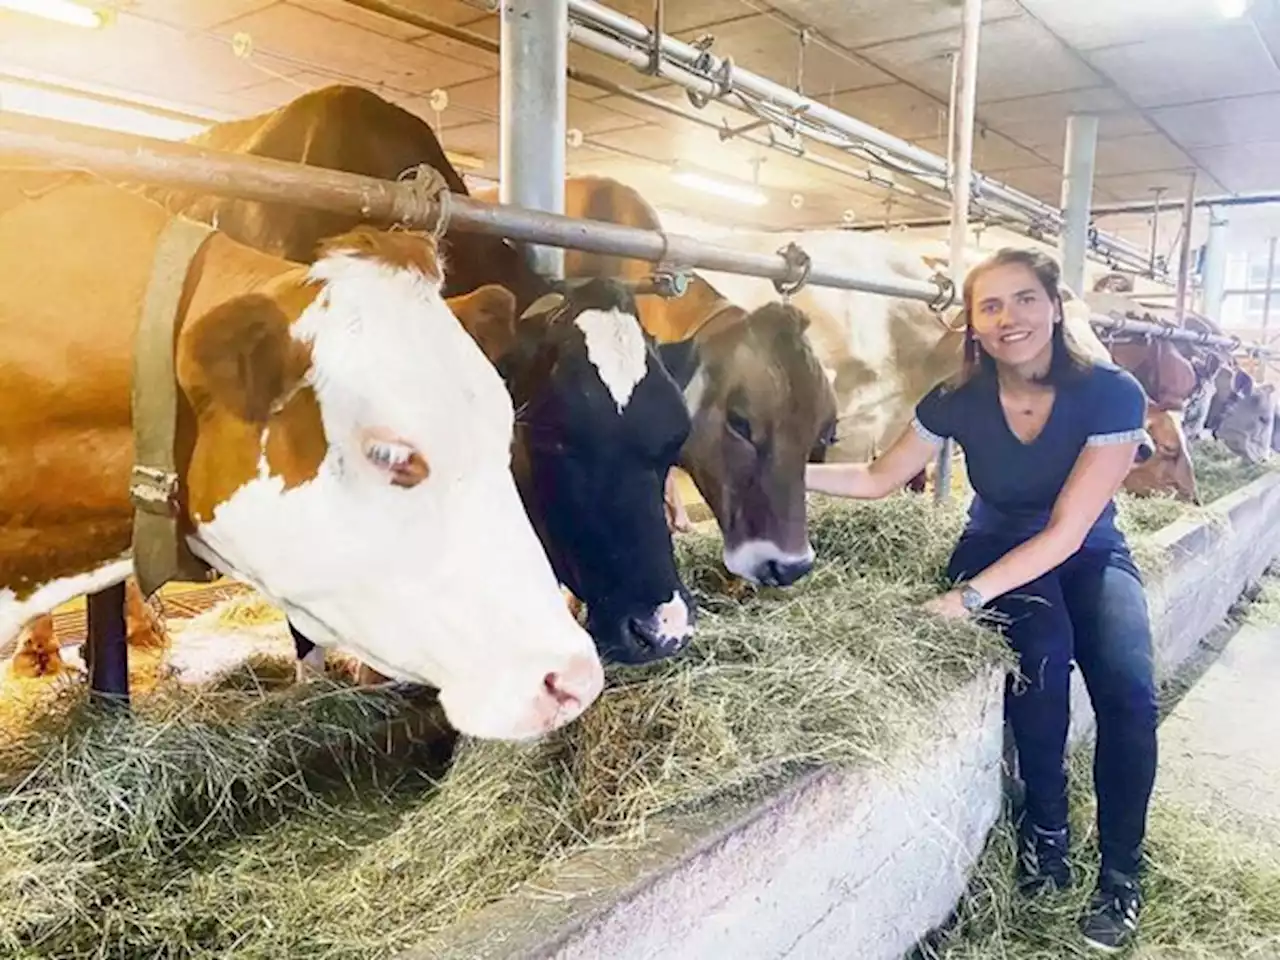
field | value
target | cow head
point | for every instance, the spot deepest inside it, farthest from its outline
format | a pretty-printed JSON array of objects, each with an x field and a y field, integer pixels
[
  {"x": 352, "y": 459},
  {"x": 1164, "y": 465},
  {"x": 762, "y": 407},
  {"x": 1248, "y": 422},
  {"x": 600, "y": 425},
  {"x": 1196, "y": 412},
  {"x": 1230, "y": 384},
  {"x": 1165, "y": 374}
]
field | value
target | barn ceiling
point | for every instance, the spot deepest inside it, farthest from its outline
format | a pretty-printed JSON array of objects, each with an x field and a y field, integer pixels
[{"x": 1179, "y": 86}]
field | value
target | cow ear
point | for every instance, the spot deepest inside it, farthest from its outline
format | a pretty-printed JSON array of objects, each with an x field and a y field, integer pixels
[
  {"x": 489, "y": 315},
  {"x": 240, "y": 355}
]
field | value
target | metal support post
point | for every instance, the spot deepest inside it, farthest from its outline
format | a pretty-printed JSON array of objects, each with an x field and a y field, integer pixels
[
  {"x": 1215, "y": 265},
  {"x": 1077, "y": 196},
  {"x": 1266, "y": 303},
  {"x": 963, "y": 108},
  {"x": 534, "y": 52},
  {"x": 1184, "y": 252}
]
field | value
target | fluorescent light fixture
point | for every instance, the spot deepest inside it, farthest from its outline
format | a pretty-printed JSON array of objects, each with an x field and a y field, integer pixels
[
  {"x": 74, "y": 108},
  {"x": 738, "y": 192},
  {"x": 61, "y": 11},
  {"x": 1233, "y": 9}
]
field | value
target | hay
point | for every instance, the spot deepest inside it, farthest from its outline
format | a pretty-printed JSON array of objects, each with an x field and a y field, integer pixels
[
  {"x": 192, "y": 831},
  {"x": 842, "y": 669},
  {"x": 1220, "y": 472},
  {"x": 1209, "y": 893}
]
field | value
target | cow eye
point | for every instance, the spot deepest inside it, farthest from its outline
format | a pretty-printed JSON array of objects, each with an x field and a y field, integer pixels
[
  {"x": 398, "y": 460},
  {"x": 739, "y": 425}
]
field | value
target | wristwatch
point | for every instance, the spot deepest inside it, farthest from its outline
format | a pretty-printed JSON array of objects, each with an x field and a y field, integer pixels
[{"x": 971, "y": 599}]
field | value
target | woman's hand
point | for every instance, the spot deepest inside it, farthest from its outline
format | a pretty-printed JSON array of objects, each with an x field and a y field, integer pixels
[
  {"x": 948, "y": 606},
  {"x": 871, "y": 481}
]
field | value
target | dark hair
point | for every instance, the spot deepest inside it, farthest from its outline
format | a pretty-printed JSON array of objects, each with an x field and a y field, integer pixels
[{"x": 1068, "y": 360}]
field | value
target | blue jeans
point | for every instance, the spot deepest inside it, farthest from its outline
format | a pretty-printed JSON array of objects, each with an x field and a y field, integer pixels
[{"x": 1092, "y": 608}]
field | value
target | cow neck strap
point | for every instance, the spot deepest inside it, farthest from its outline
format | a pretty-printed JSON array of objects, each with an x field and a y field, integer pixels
[
  {"x": 160, "y": 552},
  {"x": 725, "y": 316}
]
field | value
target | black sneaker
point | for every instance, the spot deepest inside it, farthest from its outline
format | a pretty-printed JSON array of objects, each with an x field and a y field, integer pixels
[
  {"x": 1112, "y": 920},
  {"x": 1042, "y": 860}
]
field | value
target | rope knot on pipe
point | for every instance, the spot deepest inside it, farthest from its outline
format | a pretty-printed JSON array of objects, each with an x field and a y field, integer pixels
[
  {"x": 429, "y": 191},
  {"x": 799, "y": 265}
]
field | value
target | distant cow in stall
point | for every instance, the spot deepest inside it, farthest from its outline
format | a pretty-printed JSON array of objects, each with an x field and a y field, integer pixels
[
  {"x": 341, "y": 442},
  {"x": 600, "y": 417},
  {"x": 760, "y": 401},
  {"x": 1249, "y": 426}
]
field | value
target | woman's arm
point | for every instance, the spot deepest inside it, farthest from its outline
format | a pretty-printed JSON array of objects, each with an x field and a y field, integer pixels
[
  {"x": 1096, "y": 477},
  {"x": 871, "y": 481}
]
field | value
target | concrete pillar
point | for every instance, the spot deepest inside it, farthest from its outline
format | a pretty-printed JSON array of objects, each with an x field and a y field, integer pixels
[
  {"x": 533, "y": 56},
  {"x": 1215, "y": 263},
  {"x": 1077, "y": 197}
]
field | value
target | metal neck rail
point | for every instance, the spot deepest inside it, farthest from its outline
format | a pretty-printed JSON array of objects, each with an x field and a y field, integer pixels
[
  {"x": 599, "y": 28},
  {"x": 417, "y": 205},
  {"x": 1156, "y": 331}
]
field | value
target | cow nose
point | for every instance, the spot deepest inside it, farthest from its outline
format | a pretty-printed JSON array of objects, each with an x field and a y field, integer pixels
[
  {"x": 652, "y": 643},
  {"x": 783, "y": 573},
  {"x": 577, "y": 685}
]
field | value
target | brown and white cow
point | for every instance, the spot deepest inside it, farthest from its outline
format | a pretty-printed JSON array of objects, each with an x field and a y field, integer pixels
[
  {"x": 600, "y": 418},
  {"x": 342, "y": 444},
  {"x": 760, "y": 403}
]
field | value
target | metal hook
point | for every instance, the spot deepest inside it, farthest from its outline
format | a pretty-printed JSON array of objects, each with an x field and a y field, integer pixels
[{"x": 797, "y": 260}]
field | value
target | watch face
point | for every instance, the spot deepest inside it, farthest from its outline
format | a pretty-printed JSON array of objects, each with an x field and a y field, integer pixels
[{"x": 971, "y": 599}]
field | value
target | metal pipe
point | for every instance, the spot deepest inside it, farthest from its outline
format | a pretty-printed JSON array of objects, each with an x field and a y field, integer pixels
[
  {"x": 1184, "y": 253},
  {"x": 588, "y": 12},
  {"x": 1266, "y": 303},
  {"x": 1157, "y": 331},
  {"x": 184, "y": 166},
  {"x": 1215, "y": 265},
  {"x": 534, "y": 52},
  {"x": 964, "y": 103},
  {"x": 413, "y": 18},
  {"x": 1006, "y": 197},
  {"x": 1077, "y": 192},
  {"x": 1155, "y": 232},
  {"x": 1242, "y": 200}
]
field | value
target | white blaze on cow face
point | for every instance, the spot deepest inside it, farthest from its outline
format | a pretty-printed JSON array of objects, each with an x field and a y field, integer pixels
[
  {"x": 615, "y": 346},
  {"x": 438, "y": 579}
]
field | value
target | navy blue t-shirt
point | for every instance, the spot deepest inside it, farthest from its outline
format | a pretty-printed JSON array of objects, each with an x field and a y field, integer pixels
[{"x": 1016, "y": 483}]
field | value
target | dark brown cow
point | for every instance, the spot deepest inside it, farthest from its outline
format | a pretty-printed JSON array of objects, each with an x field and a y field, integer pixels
[{"x": 354, "y": 130}]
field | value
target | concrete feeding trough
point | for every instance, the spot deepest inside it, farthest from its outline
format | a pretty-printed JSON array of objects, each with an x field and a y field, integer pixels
[{"x": 873, "y": 855}]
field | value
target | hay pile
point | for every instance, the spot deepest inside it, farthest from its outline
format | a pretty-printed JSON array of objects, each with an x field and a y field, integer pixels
[
  {"x": 192, "y": 830},
  {"x": 1220, "y": 472},
  {"x": 1210, "y": 895}
]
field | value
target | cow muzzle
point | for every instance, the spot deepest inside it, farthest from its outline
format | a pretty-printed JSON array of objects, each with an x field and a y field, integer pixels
[{"x": 648, "y": 636}]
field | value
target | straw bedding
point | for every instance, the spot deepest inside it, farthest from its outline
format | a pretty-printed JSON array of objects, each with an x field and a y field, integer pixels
[{"x": 204, "y": 825}]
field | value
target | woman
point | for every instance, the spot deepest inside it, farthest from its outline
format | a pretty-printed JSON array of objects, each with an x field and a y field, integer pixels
[{"x": 1048, "y": 437}]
